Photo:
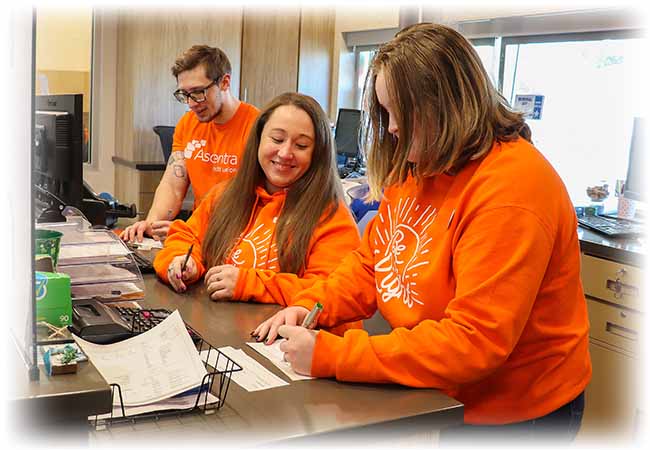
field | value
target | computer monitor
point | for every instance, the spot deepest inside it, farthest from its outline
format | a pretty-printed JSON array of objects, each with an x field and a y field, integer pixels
[
  {"x": 58, "y": 160},
  {"x": 347, "y": 133},
  {"x": 635, "y": 183}
]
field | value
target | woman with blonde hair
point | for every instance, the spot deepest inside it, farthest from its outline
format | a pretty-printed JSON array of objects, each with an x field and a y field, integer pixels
[
  {"x": 279, "y": 225},
  {"x": 476, "y": 270}
]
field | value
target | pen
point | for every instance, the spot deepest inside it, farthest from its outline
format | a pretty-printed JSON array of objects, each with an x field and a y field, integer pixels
[
  {"x": 187, "y": 257},
  {"x": 312, "y": 316}
]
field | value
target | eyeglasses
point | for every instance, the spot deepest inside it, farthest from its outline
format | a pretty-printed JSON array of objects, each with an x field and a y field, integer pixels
[{"x": 198, "y": 95}]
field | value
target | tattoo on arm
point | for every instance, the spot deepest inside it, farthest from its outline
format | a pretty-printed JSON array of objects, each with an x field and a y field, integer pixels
[
  {"x": 177, "y": 163},
  {"x": 179, "y": 170}
]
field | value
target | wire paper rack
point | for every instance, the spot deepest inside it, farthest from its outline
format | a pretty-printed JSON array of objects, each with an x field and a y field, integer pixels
[{"x": 215, "y": 382}]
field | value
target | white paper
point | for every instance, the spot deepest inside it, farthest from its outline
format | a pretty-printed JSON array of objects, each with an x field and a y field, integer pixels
[
  {"x": 275, "y": 355},
  {"x": 151, "y": 366},
  {"x": 252, "y": 377},
  {"x": 184, "y": 402},
  {"x": 115, "y": 248},
  {"x": 147, "y": 243}
]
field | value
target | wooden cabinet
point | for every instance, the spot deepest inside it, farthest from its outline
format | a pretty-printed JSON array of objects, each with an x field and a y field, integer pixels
[
  {"x": 270, "y": 43},
  {"x": 613, "y": 294},
  {"x": 286, "y": 50}
]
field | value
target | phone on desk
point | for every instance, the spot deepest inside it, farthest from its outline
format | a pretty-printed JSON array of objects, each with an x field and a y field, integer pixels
[{"x": 96, "y": 322}]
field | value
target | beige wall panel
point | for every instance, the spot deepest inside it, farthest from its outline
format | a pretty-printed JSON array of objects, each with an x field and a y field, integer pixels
[
  {"x": 148, "y": 43},
  {"x": 316, "y": 49},
  {"x": 127, "y": 184},
  {"x": 145, "y": 201},
  {"x": 269, "y": 53},
  {"x": 149, "y": 180}
]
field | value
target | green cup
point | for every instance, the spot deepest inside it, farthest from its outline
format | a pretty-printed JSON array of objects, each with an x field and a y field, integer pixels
[{"x": 47, "y": 243}]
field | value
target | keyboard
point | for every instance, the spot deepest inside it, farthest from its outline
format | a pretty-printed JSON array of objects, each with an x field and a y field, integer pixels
[
  {"x": 141, "y": 320},
  {"x": 612, "y": 227}
]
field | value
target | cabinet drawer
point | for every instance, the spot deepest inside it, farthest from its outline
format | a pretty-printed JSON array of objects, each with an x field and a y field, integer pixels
[
  {"x": 614, "y": 326},
  {"x": 613, "y": 282}
]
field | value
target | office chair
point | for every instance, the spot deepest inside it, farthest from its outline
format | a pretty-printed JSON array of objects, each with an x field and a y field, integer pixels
[{"x": 166, "y": 135}]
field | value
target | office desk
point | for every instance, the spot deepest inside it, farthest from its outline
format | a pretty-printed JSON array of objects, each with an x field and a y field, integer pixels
[
  {"x": 58, "y": 405},
  {"x": 303, "y": 411}
]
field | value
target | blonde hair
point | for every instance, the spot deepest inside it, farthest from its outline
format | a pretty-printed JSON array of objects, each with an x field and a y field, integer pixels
[
  {"x": 437, "y": 86},
  {"x": 317, "y": 192}
]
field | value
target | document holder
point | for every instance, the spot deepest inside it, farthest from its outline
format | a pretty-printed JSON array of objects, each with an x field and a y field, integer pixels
[
  {"x": 99, "y": 263},
  {"x": 216, "y": 382}
]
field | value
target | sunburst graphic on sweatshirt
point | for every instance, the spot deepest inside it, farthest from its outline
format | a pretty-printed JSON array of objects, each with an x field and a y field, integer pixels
[
  {"x": 402, "y": 232},
  {"x": 256, "y": 250}
]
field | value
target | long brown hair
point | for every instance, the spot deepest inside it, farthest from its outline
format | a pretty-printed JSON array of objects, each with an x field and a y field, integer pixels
[
  {"x": 437, "y": 85},
  {"x": 317, "y": 192}
]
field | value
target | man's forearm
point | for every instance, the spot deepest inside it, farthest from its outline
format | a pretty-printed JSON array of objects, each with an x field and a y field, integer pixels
[{"x": 166, "y": 204}]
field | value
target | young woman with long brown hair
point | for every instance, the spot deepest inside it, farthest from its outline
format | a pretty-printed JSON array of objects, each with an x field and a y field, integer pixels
[
  {"x": 473, "y": 257},
  {"x": 279, "y": 225}
]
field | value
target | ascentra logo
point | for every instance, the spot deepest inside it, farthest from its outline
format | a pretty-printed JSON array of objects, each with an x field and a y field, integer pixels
[
  {"x": 214, "y": 158},
  {"x": 193, "y": 145}
]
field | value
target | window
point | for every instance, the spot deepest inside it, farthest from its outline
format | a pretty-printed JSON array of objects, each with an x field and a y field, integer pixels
[
  {"x": 64, "y": 57},
  {"x": 488, "y": 52},
  {"x": 363, "y": 57},
  {"x": 590, "y": 83},
  {"x": 590, "y": 86}
]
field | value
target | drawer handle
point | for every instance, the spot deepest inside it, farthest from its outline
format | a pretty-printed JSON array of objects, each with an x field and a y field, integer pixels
[
  {"x": 623, "y": 332},
  {"x": 620, "y": 289}
]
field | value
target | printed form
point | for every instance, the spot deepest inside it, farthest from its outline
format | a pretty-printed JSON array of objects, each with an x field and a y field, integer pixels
[
  {"x": 276, "y": 356},
  {"x": 252, "y": 377},
  {"x": 151, "y": 366}
]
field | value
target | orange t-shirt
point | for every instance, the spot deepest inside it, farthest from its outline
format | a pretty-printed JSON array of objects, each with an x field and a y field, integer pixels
[
  {"x": 212, "y": 151},
  {"x": 479, "y": 276}
]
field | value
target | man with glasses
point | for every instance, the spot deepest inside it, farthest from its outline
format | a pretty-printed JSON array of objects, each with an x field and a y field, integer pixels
[{"x": 208, "y": 140}]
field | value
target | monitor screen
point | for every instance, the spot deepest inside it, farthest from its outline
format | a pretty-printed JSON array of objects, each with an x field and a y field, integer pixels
[
  {"x": 58, "y": 163},
  {"x": 347, "y": 132},
  {"x": 635, "y": 183}
]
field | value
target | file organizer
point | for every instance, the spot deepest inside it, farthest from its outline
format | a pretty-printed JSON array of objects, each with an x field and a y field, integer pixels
[
  {"x": 99, "y": 263},
  {"x": 216, "y": 381}
]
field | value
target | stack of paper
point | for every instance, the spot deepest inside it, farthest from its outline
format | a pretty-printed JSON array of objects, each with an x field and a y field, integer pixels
[{"x": 151, "y": 367}]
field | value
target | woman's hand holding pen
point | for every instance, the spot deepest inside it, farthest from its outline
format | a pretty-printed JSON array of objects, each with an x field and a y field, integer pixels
[
  {"x": 298, "y": 347},
  {"x": 221, "y": 281},
  {"x": 292, "y": 315},
  {"x": 177, "y": 277}
]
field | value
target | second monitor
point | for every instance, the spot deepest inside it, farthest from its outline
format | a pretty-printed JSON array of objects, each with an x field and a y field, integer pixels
[{"x": 347, "y": 132}]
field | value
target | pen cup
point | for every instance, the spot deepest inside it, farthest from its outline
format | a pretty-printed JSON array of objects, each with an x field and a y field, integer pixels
[
  {"x": 626, "y": 208},
  {"x": 47, "y": 243}
]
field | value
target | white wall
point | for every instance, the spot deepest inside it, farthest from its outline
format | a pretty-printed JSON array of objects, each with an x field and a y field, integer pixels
[
  {"x": 67, "y": 45},
  {"x": 100, "y": 174},
  {"x": 15, "y": 187}
]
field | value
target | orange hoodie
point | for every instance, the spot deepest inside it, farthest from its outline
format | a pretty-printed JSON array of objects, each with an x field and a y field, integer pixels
[
  {"x": 212, "y": 151},
  {"x": 479, "y": 276},
  {"x": 255, "y": 253}
]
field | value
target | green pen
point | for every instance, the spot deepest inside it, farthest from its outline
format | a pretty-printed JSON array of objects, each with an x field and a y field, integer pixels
[{"x": 312, "y": 316}]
